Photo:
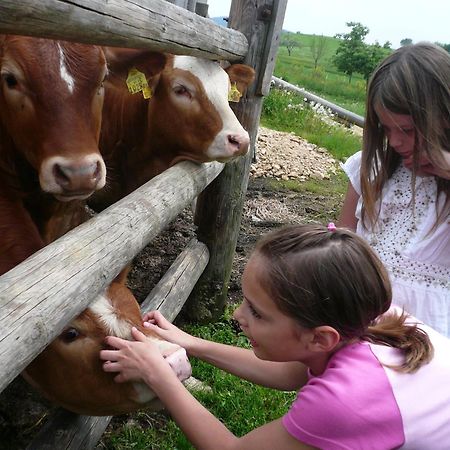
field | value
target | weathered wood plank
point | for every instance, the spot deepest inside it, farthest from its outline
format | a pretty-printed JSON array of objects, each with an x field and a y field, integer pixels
[
  {"x": 219, "y": 207},
  {"x": 152, "y": 24},
  {"x": 69, "y": 431},
  {"x": 41, "y": 295},
  {"x": 273, "y": 14},
  {"x": 172, "y": 291}
]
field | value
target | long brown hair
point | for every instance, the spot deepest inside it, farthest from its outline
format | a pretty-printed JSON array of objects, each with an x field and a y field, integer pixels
[
  {"x": 334, "y": 278},
  {"x": 414, "y": 80}
]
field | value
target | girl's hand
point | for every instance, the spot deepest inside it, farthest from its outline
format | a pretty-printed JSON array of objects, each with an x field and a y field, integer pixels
[
  {"x": 134, "y": 360},
  {"x": 156, "y": 322}
]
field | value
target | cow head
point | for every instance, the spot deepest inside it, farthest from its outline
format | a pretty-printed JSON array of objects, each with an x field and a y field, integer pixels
[
  {"x": 69, "y": 371},
  {"x": 51, "y": 97},
  {"x": 190, "y": 117}
]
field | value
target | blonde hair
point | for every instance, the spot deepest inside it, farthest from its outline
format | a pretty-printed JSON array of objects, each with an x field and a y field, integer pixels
[{"x": 414, "y": 80}]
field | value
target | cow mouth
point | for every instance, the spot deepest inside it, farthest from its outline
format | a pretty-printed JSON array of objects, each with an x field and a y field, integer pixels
[{"x": 68, "y": 196}]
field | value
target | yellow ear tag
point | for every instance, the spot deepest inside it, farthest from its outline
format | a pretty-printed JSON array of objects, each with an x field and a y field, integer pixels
[
  {"x": 147, "y": 92},
  {"x": 136, "y": 82},
  {"x": 234, "y": 95}
]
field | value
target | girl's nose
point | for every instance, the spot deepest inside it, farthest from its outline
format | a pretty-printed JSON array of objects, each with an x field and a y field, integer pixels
[
  {"x": 395, "y": 138},
  {"x": 239, "y": 316}
]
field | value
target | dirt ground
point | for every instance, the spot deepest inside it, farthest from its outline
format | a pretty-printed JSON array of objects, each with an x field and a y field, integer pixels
[{"x": 281, "y": 156}]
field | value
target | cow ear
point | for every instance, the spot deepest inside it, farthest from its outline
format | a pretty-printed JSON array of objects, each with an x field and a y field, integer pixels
[
  {"x": 242, "y": 75},
  {"x": 121, "y": 278},
  {"x": 121, "y": 60}
]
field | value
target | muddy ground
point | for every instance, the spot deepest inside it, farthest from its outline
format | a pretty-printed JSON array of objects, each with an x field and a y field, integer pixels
[{"x": 280, "y": 156}]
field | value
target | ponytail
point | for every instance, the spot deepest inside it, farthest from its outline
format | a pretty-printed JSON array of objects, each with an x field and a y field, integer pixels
[{"x": 392, "y": 330}]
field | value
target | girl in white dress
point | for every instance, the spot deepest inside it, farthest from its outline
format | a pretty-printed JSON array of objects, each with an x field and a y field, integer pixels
[{"x": 399, "y": 190}]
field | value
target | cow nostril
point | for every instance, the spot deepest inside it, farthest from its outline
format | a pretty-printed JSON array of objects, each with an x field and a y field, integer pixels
[
  {"x": 233, "y": 141},
  {"x": 60, "y": 176},
  {"x": 97, "y": 172}
]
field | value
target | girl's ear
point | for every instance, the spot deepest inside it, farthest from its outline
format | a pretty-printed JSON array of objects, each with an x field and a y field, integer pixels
[{"x": 324, "y": 339}]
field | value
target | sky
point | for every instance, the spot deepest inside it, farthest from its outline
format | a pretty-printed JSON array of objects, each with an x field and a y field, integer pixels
[{"x": 387, "y": 20}]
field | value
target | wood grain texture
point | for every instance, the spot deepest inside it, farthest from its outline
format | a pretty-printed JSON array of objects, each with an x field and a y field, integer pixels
[{"x": 152, "y": 24}]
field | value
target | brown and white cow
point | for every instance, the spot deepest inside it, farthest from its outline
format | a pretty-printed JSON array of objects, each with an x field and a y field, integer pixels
[
  {"x": 69, "y": 371},
  {"x": 188, "y": 117},
  {"x": 51, "y": 99}
]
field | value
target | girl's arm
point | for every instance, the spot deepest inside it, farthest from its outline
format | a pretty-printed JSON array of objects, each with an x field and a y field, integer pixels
[
  {"x": 347, "y": 218},
  {"x": 286, "y": 376},
  {"x": 140, "y": 360}
]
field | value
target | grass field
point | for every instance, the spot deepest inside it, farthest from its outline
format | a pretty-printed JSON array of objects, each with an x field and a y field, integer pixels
[{"x": 325, "y": 80}]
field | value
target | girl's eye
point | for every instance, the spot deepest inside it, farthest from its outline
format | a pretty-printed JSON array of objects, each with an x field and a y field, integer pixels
[
  {"x": 10, "y": 80},
  {"x": 253, "y": 312}
]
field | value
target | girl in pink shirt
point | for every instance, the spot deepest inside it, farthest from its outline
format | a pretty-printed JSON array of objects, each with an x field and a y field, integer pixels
[{"x": 314, "y": 309}]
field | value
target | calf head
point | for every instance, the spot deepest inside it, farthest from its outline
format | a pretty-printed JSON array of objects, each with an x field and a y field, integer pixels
[
  {"x": 189, "y": 117},
  {"x": 69, "y": 371},
  {"x": 51, "y": 97}
]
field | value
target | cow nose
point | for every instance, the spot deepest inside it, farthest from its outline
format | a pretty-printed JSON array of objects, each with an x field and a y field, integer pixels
[
  {"x": 238, "y": 143},
  {"x": 78, "y": 177}
]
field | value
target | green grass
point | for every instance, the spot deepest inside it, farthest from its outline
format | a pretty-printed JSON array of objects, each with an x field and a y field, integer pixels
[
  {"x": 325, "y": 81},
  {"x": 337, "y": 184},
  {"x": 285, "y": 111}
]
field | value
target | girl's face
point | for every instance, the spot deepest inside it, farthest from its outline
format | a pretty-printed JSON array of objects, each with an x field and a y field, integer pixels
[
  {"x": 273, "y": 335},
  {"x": 401, "y": 133}
]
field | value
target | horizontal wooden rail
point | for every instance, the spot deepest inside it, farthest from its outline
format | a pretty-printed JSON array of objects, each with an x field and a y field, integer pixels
[
  {"x": 340, "y": 112},
  {"x": 68, "y": 431},
  {"x": 152, "y": 24},
  {"x": 41, "y": 295}
]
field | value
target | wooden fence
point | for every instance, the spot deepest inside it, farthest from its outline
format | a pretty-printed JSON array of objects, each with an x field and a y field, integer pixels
[{"x": 41, "y": 295}]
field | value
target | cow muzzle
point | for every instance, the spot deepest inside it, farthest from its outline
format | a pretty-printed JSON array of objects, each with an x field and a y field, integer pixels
[{"x": 70, "y": 179}]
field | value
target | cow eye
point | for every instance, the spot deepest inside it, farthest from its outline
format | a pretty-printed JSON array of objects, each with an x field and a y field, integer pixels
[
  {"x": 10, "y": 80},
  {"x": 182, "y": 91},
  {"x": 69, "y": 335}
]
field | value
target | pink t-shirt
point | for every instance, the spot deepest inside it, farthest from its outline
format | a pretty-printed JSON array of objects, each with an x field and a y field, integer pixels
[{"x": 358, "y": 403}]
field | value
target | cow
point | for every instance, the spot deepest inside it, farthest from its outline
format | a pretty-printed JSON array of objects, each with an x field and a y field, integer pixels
[
  {"x": 69, "y": 371},
  {"x": 187, "y": 117},
  {"x": 51, "y": 100}
]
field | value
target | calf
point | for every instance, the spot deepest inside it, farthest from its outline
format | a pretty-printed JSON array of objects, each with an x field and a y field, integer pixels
[
  {"x": 188, "y": 117},
  {"x": 69, "y": 371}
]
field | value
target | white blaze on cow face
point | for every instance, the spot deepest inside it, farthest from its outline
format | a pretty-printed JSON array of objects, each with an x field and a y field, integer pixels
[
  {"x": 113, "y": 325},
  {"x": 65, "y": 75},
  {"x": 51, "y": 97},
  {"x": 232, "y": 140},
  {"x": 107, "y": 317}
]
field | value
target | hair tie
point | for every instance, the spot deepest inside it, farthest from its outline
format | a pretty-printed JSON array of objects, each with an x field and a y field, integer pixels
[{"x": 331, "y": 227}]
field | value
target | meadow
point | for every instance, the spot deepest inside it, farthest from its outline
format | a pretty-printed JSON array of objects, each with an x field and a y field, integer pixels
[
  {"x": 239, "y": 404},
  {"x": 324, "y": 80}
]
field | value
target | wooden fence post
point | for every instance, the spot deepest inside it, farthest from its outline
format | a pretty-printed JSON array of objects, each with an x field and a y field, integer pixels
[{"x": 219, "y": 207}]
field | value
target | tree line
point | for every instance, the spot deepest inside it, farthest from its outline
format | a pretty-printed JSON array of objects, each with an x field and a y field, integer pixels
[{"x": 353, "y": 55}]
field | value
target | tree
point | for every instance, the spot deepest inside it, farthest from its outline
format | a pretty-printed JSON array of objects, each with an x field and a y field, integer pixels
[
  {"x": 444, "y": 46},
  {"x": 318, "y": 47},
  {"x": 405, "y": 41},
  {"x": 352, "y": 52},
  {"x": 289, "y": 42},
  {"x": 374, "y": 54}
]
